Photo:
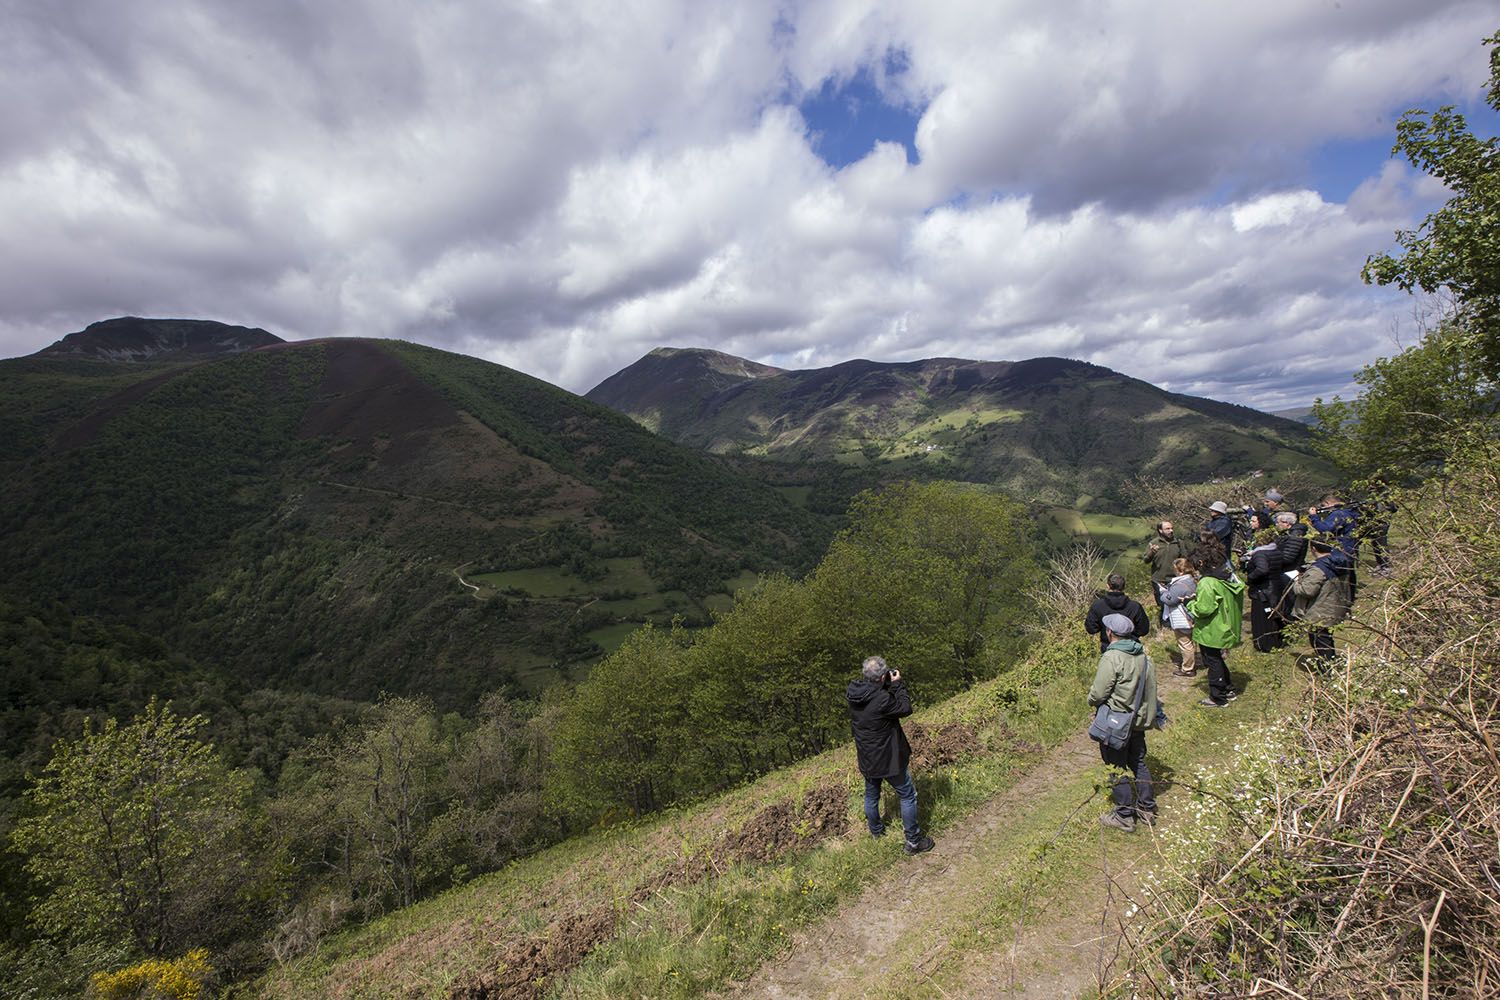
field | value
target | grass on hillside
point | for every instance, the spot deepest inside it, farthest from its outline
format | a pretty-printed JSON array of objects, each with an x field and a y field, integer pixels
[
  {"x": 1111, "y": 533},
  {"x": 686, "y": 938}
]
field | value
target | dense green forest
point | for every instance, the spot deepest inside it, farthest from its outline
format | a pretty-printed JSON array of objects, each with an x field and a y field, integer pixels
[{"x": 366, "y": 808}]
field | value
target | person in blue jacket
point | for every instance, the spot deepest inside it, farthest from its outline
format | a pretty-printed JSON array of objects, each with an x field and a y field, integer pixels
[{"x": 1336, "y": 519}]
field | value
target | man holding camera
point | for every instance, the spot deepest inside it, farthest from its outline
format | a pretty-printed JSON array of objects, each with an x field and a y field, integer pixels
[{"x": 878, "y": 701}]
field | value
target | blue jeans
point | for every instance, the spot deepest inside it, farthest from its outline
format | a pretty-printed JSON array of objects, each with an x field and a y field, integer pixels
[{"x": 908, "y": 793}]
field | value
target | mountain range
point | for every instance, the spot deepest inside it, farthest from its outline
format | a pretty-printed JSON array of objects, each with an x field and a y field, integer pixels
[
  {"x": 352, "y": 517},
  {"x": 1051, "y": 430}
]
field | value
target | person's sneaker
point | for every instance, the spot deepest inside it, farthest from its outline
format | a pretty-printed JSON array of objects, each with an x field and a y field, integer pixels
[
  {"x": 1210, "y": 703},
  {"x": 1116, "y": 821},
  {"x": 1147, "y": 816},
  {"x": 1179, "y": 672},
  {"x": 1233, "y": 694},
  {"x": 878, "y": 833},
  {"x": 925, "y": 844}
]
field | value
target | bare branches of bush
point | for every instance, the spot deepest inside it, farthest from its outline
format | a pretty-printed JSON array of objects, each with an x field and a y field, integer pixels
[
  {"x": 1372, "y": 870},
  {"x": 1186, "y": 505},
  {"x": 1073, "y": 579}
]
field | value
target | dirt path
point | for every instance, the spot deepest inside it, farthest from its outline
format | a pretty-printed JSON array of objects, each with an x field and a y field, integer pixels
[{"x": 930, "y": 912}]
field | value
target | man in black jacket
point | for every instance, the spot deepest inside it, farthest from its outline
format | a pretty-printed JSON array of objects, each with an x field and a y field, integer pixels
[
  {"x": 1114, "y": 602},
  {"x": 878, "y": 701}
]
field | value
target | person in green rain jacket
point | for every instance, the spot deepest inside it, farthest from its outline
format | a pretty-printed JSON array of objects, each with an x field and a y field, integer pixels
[{"x": 1217, "y": 611}]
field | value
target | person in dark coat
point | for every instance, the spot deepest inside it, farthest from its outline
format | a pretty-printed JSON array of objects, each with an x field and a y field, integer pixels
[
  {"x": 1114, "y": 602},
  {"x": 1221, "y": 524},
  {"x": 878, "y": 701},
  {"x": 1262, "y": 570},
  {"x": 1291, "y": 549}
]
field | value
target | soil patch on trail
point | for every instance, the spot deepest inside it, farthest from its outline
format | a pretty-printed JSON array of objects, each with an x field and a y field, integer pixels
[{"x": 783, "y": 827}]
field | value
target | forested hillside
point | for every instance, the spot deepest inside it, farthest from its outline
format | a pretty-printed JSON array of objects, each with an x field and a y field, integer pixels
[{"x": 296, "y": 514}]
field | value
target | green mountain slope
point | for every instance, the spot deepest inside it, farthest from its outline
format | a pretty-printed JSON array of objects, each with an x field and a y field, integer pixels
[
  {"x": 308, "y": 515},
  {"x": 1050, "y": 429}
]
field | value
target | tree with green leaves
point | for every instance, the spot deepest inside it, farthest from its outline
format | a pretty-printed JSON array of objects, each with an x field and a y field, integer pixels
[
  {"x": 620, "y": 739},
  {"x": 1415, "y": 406},
  {"x": 936, "y": 576},
  {"x": 1457, "y": 247},
  {"x": 140, "y": 834},
  {"x": 362, "y": 801}
]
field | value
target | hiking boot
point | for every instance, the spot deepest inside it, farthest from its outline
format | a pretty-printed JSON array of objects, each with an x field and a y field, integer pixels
[
  {"x": 1116, "y": 821},
  {"x": 1231, "y": 695},
  {"x": 917, "y": 847},
  {"x": 1210, "y": 703},
  {"x": 1179, "y": 672},
  {"x": 1147, "y": 816}
]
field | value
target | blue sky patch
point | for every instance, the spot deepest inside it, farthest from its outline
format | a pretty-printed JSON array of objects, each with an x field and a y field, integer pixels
[
  {"x": 846, "y": 118},
  {"x": 1339, "y": 166}
]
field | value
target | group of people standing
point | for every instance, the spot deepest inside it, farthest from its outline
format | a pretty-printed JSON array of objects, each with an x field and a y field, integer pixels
[
  {"x": 1269, "y": 553},
  {"x": 1200, "y": 598}
]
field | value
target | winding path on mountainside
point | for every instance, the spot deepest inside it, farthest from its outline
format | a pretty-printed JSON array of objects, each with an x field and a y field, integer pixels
[{"x": 893, "y": 939}]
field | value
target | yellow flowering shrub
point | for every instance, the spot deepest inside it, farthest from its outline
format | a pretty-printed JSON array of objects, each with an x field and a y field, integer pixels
[{"x": 155, "y": 979}]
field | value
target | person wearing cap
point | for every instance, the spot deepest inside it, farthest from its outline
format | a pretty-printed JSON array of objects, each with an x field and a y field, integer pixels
[
  {"x": 1217, "y": 609},
  {"x": 1221, "y": 524},
  {"x": 1122, "y": 667},
  {"x": 1273, "y": 503},
  {"x": 1323, "y": 593}
]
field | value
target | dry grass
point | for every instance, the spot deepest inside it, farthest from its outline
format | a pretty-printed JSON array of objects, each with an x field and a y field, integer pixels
[{"x": 1372, "y": 871}]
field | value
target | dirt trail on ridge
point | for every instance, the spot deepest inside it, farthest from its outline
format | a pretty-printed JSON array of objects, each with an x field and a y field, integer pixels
[{"x": 894, "y": 937}]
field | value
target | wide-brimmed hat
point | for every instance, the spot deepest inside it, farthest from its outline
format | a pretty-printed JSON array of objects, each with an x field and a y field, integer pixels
[{"x": 1219, "y": 507}]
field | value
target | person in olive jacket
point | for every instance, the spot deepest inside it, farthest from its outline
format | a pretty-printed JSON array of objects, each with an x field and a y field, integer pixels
[
  {"x": 1124, "y": 667},
  {"x": 878, "y": 701},
  {"x": 1161, "y": 552},
  {"x": 1217, "y": 611},
  {"x": 1323, "y": 592}
]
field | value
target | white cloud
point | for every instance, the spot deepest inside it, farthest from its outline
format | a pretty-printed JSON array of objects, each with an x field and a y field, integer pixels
[{"x": 561, "y": 187}]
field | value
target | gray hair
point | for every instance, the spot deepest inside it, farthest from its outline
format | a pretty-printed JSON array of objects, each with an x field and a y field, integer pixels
[
  {"x": 874, "y": 668},
  {"x": 1286, "y": 518}
]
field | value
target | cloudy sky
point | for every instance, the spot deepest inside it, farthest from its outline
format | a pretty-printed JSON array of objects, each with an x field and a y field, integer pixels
[{"x": 1182, "y": 194}]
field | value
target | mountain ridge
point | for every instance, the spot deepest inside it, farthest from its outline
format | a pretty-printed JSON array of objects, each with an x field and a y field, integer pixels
[
  {"x": 295, "y": 514},
  {"x": 1057, "y": 429},
  {"x": 134, "y": 339}
]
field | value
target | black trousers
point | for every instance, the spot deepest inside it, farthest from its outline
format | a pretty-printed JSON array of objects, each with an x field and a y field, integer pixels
[
  {"x": 1132, "y": 788},
  {"x": 1265, "y": 628},
  {"x": 1219, "y": 683},
  {"x": 1322, "y": 642}
]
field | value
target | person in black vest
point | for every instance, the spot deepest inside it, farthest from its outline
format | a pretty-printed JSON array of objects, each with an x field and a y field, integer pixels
[
  {"x": 878, "y": 701},
  {"x": 1114, "y": 602},
  {"x": 1291, "y": 549}
]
